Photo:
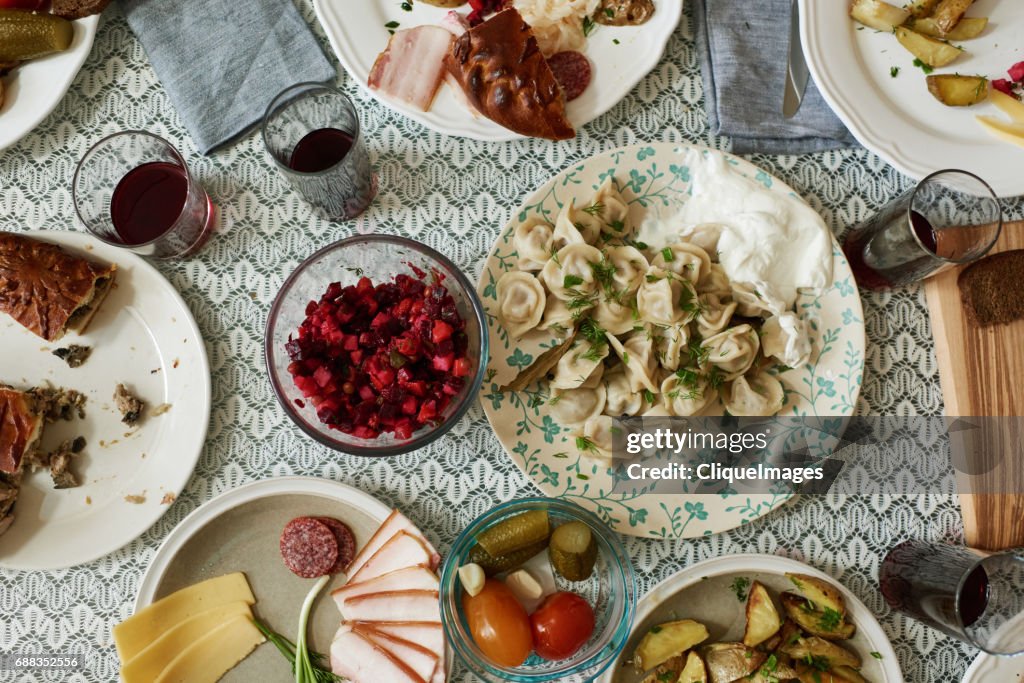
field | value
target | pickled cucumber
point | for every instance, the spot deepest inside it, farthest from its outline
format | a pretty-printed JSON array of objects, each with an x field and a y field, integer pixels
[
  {"x": 26, "y": 35},
  {"x": 521, "y": 531},
  {"x": 573, "y": 551},
  {"x": 505, "y": 563}
]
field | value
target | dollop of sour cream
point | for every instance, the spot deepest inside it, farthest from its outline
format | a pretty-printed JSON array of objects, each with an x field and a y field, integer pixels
[{"x": 763, "y": 237}]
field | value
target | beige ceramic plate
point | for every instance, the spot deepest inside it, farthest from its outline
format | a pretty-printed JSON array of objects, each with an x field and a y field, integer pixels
[
  {"x": 703, "y": 592},
  {"x": 239, "y": 532}
]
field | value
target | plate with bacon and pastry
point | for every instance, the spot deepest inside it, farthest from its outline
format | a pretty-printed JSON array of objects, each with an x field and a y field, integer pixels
[{"x": 500, "y": 69}]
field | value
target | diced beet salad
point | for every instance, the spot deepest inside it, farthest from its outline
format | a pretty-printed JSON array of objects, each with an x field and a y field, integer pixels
[{"x": 384, "y": 358}]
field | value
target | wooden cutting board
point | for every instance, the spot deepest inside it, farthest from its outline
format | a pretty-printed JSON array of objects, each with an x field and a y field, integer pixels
[{"x": 982, "y": 374}]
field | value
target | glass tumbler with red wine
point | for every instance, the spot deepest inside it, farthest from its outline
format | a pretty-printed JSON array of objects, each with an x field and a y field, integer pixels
[
  {"x": 312, "y": 133},
  {"x": 950, "y": 218},
  {"x": 134, "y": 190},
  {"x": 973, "y": 596}
]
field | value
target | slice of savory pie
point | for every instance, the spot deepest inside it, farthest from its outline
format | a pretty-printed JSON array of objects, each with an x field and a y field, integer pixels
[
  {"x": 21, "y": 425},
  {"x": 506, "y": 78},
  {"x": 46, "y": 289}
]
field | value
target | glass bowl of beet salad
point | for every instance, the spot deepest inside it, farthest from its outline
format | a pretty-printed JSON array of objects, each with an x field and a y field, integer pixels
[{"x": 376, "y": 345}]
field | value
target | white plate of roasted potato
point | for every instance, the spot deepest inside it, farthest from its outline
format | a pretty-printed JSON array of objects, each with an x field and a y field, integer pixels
[
  {"x": 912, "y": 81},
  {"x": 756, "y": 619}
]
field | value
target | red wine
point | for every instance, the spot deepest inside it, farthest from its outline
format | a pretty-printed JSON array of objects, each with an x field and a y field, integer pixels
[
  {"x": 893, "y": 254},
  {"x": 148, "y": 201},
  {"x": 923, "y": 580},
  {"x": 319, "y": 150}
]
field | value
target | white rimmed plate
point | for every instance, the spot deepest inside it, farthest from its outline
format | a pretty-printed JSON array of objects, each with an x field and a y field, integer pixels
[
  {"x": 655, "y": 177},
  {"x": 702, "y": 592},
  {"x": 358, "y": 34},
  {"x": 35, "y": 88},
  {"x": 989, "y": 668},
  {"x": 145, "y": 337},
  {"x": 240, "y": 531},
  {"x": 896, "y": 117}
]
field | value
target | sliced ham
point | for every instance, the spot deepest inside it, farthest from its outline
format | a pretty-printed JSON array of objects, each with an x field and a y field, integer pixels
[
  {"x": 457, "y": 24},
  {"x": 395, "y": 522},
  {"x": 411, "y": 67},
  {"x": 418, "y": 658},
  {"x": 357, "y": 659},
  {"x": 410, "y": 605},
  {"x": 427, "y": 634},
  {"x": 410, "y": 578},
  {"x": 401, "y": 551}
]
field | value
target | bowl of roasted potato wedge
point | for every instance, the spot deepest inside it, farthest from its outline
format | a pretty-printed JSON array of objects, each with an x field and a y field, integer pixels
[{"x": 755, "y": 619}]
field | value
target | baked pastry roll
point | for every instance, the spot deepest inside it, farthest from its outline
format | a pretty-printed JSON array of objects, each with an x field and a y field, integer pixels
[
  {"x": 507, "y": 79},
  {"x": 21, "y": 425},
  {"x": 46, "y": 289}
]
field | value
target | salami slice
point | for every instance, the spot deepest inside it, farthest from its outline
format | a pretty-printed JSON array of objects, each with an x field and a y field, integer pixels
[
  {"x": 308, "y": 547},
  {"x": 346, "y": 542},
  {"x": 572, "y": 71}
]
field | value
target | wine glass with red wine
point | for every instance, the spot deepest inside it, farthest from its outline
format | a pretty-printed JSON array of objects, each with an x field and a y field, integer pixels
[
  {"x": 312, "y": 133},
  {"x": 973, "y": 596},
  {"x": 950, "y": 218},
  {"x": 134, "y": 190}
]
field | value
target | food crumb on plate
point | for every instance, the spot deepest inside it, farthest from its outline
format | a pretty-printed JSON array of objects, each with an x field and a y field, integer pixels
[
  {"x": 135, "y": 499},
  {"x": 88, "y": 500},
  {"x": 160, "y": 409},
  {"x": 168, "y": 498}
]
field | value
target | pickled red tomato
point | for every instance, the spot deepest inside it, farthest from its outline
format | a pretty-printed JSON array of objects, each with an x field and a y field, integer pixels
[
  {"x": 499, "y": 624},
  {"x": 561, "y": 625}
]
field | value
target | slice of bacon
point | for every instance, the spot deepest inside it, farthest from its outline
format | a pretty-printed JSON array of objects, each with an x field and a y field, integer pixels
[
  {"x": 358, "y": 660},
  {"x": 427, "y": 634},
  {"x": 411, "y": 605},
  {"x": 411, "y": 578},
  {"x": 412, "y": 65},
  {"x": 395, "y": 522},
  {"x": 401, "y": 551},
  {"x": 418, "y": 658}
]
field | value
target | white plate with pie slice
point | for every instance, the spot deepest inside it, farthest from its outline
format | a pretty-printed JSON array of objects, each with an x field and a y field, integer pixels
[
  {"x": 620, "y": 57},
  {"x": 35, "y": 88},
  {"x": 145, "y": 337}
]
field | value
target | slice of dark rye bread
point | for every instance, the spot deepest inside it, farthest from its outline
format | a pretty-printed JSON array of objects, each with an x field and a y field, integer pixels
[
  {"x": 77, "y": 9},
  {"x": 991, "y": 288}
]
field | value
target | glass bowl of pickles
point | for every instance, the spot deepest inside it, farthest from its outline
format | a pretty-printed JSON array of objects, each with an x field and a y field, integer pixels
[{"x": 537, "y": 589}]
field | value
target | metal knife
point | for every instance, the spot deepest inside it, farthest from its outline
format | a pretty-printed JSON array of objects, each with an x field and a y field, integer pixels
[{"x": 796, "y": 69}]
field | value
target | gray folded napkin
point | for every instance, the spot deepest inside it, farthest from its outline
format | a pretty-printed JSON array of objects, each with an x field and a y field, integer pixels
[
  {"x": 223, "y": 61},
  {"x": 743, "y": 49}
]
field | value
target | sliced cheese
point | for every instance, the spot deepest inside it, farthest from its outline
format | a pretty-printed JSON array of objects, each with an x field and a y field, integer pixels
[
  {"x": 147, "y": 665},
  {"x": 133, "y": 634},
  {"x": 213, "y": 655}
]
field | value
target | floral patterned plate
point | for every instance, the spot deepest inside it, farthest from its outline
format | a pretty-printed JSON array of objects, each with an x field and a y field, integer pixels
[{"x": 655, "y": 178}]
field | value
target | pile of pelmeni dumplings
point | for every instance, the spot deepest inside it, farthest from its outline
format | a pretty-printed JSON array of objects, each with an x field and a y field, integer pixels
[{"x": 657, "y": 332}]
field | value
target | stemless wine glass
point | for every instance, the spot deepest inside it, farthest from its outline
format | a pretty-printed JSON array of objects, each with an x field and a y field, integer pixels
[
  {"x": 134, "y": 190},
  {"x": 950, "y": 218},
  {"x": 973, "y": 596},
  {"x": 312, "y": 132}
]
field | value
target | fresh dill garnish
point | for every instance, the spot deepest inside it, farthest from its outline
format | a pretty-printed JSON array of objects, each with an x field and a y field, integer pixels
[
  {"x": 715, "y": 377},
  {"x": 652, "y": 278},
  {"x": 927, "y": 68},
  {"x": 894, "y": 71},
  {"x": 649, "y": 396},
  {"x": 617, "y": 226},
  {"x": 830, "y": 619},
  {"x": 570, "y": 281},
  {"x": 585, "y": 444},
  {"x": 668, "y": 254},
  {"x": 588, "y": 26},
  {"x": 594, "y": 209},
  {"x": 739, "y": 586},
  {"x": 817, "y": 662}
]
